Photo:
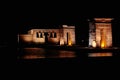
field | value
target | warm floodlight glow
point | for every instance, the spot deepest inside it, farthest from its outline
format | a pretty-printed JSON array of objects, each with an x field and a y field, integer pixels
[
  {"x": 94, "y": 44},
  {"x": 69, "y": 43},
  {"x": 103, "y": 44},
  {"x": 61, "y": 41},
  {"x": 103, "y": 40}
]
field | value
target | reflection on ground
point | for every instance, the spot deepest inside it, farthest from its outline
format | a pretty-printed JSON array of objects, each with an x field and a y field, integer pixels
[
  {"x": 107, "y": 54},
  {"x": 36, "y": 53}
]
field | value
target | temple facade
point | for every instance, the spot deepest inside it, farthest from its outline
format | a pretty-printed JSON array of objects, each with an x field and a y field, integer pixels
[
  {"x": 100, "y": 32},
  {"x": 62, "y": 36}
]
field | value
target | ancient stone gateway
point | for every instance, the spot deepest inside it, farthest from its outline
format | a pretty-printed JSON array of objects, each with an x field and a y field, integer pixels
[{"x": 100, "y": 31}]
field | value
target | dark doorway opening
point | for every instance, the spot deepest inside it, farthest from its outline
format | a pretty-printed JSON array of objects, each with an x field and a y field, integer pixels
[
  {"x": 46, "y": 37},
  {"x": 67, "y": 37}
]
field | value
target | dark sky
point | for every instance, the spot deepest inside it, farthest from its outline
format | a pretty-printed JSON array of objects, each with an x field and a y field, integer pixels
[{"x": 26, "y": 22}]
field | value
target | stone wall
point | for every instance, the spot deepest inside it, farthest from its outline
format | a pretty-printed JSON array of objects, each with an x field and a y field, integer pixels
[
  {"x": 53, "y": 35},
  {"x": 92, "y": 34},
  {"x": 25, "y": 38}
]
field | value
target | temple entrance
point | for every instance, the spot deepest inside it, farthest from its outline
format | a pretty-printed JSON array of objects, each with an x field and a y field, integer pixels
[{"x": 103, "y": 39}]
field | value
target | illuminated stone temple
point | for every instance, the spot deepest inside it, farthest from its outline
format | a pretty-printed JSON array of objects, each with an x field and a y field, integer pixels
[
  {"x": 62, "y": 36},
  {"x": 100, "y": 33}
]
